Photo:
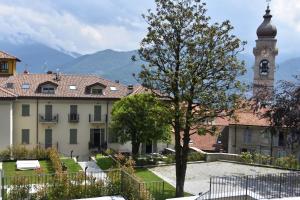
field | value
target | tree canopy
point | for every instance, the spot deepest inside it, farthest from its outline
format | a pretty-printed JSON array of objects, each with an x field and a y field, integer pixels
[
  {"x": 140, "y": 118},
  {"x": 193, "y": 63}
]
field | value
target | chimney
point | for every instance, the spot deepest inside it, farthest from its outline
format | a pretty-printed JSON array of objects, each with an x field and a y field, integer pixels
[{"x": 129, "y": 89}]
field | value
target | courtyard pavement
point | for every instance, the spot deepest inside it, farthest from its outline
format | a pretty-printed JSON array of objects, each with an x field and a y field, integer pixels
[{"x": 198, "y": 174}]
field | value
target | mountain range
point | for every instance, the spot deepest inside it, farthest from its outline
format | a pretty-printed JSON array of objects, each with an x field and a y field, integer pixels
[{"x": 110, "y": 64}]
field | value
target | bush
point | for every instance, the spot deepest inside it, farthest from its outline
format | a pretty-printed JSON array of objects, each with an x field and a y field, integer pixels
[
  {"x": 54, "y": 158},
  {"x": 5, "y": 155},
  {"x": 169, "y": 159},
  {"x": 196, "y": 156},
  {"x": 247, "y": 157},
  {"x": 288, "y": 162},
  {"x": 23, "y": 153}
]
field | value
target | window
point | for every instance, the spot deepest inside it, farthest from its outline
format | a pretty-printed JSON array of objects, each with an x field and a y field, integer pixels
[
  {"x": 3, "y": 67},
  {"x": 96, "y": 91},
  {"x": 73, "y": 136},
  {"x": 25, "y": 86},
  {"x": 264, "y": 67},
  {"x": 247, "y": 136},
  {"x": 25, "y": 110},
  {"x": 113, "y": 88},
  {"x": 281, "y": 141},
  {"x": 48, "y": 89},
  {"x": 25, "y": 136},
  {"x": 97, "y": 113},
  {"x": 73, "y": 87}
]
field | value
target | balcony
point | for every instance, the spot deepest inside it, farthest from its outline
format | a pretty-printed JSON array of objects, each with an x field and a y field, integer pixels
[
  {"x": 48, "y": 119},
  {"x": 98, "y": 119},
  {"x": 73, "y": 118}
]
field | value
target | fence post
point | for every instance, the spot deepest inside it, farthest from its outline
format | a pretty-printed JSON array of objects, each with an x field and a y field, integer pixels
[
  {"x": 280, "y": 179},
  {"x": 2, "y": 184},
  {"x": 246, "y": 188},
  {"x": 163, "y": 192},
  {"x": 210, "y": 187},
  {"x": 85, "y": 180}
]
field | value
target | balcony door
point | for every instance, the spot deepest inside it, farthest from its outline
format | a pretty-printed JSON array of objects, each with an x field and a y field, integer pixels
[
  {"x": 73, "y": 112},
  {"x": 48, "y": 112},
  {"x": 48, "y": 138},
  {"x": 97, "y": 137},
  {"x": 97, "y": 113}
]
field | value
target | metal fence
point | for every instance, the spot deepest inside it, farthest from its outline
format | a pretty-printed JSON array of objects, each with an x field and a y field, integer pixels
[
  {"x": 134, "y": 189},
  {"x": 80, "y": 185},
  {"x": 267, "y": 186}
]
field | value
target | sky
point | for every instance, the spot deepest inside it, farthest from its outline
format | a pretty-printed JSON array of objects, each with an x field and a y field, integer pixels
[{"x": 87, "y": 26}]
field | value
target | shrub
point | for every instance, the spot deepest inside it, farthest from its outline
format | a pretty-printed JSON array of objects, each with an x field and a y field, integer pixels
[
  {"x": 288, "y": 162},
  {"x": 169, "y": 159},
  {"x": 20, "y": 189},
  {"x": 54, "y": 158},
  {"x": 5, "y": 155},
  {"x": 196, "y": 156},
  {"x": 247, "y": 157}
]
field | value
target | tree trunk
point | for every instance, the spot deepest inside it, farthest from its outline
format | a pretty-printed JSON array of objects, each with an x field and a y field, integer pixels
[{"x": 135, "y": 148}]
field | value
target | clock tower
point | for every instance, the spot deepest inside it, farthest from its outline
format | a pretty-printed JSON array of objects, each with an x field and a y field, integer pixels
[{"x": 265, "y": 53}]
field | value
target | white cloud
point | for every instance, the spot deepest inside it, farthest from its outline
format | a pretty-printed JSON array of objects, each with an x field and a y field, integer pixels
[
  {"x": 61, "y": 29},
  {"x": 288, "y": 12}
]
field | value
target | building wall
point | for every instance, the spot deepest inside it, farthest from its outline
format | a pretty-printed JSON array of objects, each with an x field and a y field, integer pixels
[
  {"x": 259, "y": 141},
  {"x": 6, "y": 124},
  {"x": 61, "y": 130}
]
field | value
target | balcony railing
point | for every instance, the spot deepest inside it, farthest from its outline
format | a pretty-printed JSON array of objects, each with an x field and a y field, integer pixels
[
  {"x": 48, "y": 119},
  {"x": 73, "y": 118},
  {"x": 97, "y": 119}
]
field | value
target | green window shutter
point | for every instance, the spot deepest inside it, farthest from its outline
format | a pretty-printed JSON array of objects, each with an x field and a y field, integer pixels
[
  {"x": 97, "y": 113},
  {"x": 73, "y": 136},
  {"x": 25, "y": 136},
  {"x": 25, "y": 110}
]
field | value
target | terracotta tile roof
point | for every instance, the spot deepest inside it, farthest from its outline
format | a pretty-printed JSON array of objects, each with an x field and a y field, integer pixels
[
  {"x": 248, "y": 118},
  {"x": 6, "y": 94},
  {"x": 111, "y": 91},
  {"x": 4, "y": 55}
]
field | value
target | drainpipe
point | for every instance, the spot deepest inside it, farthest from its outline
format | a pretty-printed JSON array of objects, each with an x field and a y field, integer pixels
[
  {"x": 235, "y": 138},
  {"x": 37, "y": 121},
  {"x": 106, "y": 123}
]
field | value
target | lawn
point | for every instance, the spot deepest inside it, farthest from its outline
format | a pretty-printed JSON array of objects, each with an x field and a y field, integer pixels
[
  {"x": 71, "y": 165},
  {"x": 148, "y": 176},
  {"x": 10, "y": 169},
  {"x": 104, "y": 162}
]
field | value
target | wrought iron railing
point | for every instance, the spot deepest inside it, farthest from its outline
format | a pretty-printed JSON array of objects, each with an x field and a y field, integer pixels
[{"x": 266, "y": 186}]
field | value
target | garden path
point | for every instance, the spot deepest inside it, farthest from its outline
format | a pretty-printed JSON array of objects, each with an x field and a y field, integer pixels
[{"x": 92, "y": 169}]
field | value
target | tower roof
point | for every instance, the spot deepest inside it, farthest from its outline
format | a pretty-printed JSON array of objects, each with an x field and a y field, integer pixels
[{"x": 267, "y": 29}]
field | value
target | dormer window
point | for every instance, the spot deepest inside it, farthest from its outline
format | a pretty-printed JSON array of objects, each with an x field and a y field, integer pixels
[
  {"x": 3, "y": 67},
  {"x": 97, "y": 91},
  {"x": 48, "y": 89}
]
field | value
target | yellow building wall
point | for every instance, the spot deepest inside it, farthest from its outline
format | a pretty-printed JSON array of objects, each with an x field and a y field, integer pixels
[{"x": 11, "y": 68}]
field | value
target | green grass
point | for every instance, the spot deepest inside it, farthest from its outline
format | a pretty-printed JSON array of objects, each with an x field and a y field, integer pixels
[
  {"x": 71, "y": 165},
  {"x": 10, "y": 169},
  {"x": 104, "y": 162},
  {"x": 148, "y": 176}
]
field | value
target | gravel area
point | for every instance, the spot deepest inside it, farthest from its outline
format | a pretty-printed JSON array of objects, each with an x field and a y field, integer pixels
[{"x": 198, "y": 174}]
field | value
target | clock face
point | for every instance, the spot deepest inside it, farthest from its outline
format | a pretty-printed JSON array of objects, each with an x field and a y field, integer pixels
[{"x": 264, "y": 67}]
